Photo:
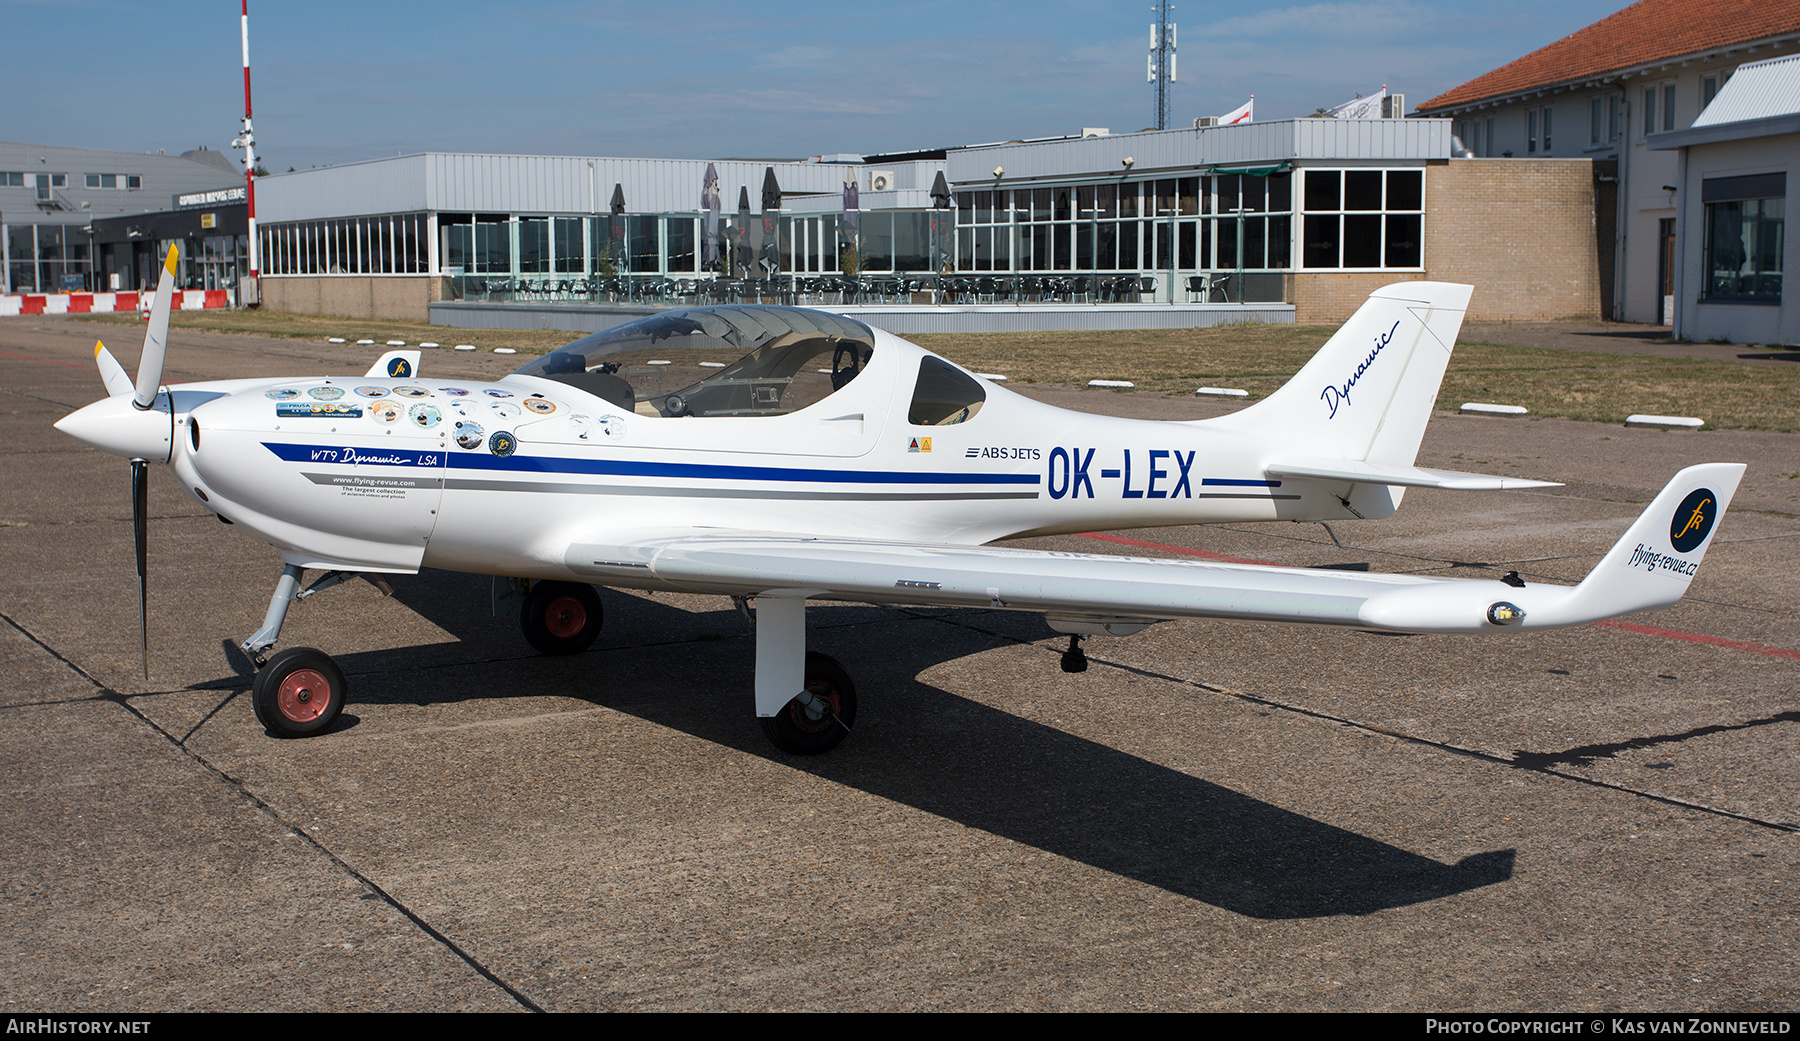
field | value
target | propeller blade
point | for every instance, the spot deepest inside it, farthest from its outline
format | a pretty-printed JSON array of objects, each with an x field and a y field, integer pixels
[
  {"x": 156, "y": 337},
  {"x": 111, "y": 372},
  {"x": 140, "y": 530}
]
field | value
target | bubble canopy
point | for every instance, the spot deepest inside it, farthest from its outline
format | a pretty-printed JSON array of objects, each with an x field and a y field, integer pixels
[{"x": 715, "y": 361}]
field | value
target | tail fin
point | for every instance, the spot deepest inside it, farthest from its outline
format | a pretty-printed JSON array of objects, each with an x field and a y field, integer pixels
[
  {"x": 1368, "y": 393},
  {"x": 397, "y": 365}
]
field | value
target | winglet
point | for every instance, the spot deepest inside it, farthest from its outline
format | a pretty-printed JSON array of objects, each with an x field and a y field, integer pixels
[
  {"x": 1652, "y": 564},
  {"x": 1649, "y": 567},
  {"x": 111, "y": 372}
]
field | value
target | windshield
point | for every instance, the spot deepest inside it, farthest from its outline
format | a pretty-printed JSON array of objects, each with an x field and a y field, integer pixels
[{"x": 715, "y": 361}]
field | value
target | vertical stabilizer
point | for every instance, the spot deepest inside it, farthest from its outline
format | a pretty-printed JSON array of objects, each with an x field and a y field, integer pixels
[{"x": 1368, "y": 393}]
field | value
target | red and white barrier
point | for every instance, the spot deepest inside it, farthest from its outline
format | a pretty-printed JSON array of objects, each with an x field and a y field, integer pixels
[{"x": 107, "y": 303}]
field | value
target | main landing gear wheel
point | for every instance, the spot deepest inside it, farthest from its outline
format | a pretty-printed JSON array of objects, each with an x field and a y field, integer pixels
[
  {"x": 561, "y": 617},
  {"x": 814, "y": 722},
  {"x": 299, "y": 693}
]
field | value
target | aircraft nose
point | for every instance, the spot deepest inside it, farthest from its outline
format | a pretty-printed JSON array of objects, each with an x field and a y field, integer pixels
[{"x": 117, "y": 426}]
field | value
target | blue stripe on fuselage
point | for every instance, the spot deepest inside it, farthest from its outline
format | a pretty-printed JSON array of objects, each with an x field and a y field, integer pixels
[{"x": 689, "y": 471}]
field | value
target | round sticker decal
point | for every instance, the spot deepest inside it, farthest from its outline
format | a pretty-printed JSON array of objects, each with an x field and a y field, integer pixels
[
  {"x": 372, "y": 392},
  {"x": 284, "y": 394},
  {"x": 411, "y": 392},
  {"x": 540, "y": 406},
  {"x": 502, "y": 444},
  {"x": 498, "y": 393},
  {"x": 399, "y": 368},
  {"x": 385, "y": 412},
  {"x": 425, "y": 415},
  {"x": 1693, "y": 519},
  {"x": 468, "y": 433},
  {"x": 326, "y": 393},
  {"x": 455, "y": 392},
  {"x": 505, "y": 409}
]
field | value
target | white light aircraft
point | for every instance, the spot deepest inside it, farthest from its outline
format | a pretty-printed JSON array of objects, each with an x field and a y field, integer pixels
[{"x": 780, "y": 454}]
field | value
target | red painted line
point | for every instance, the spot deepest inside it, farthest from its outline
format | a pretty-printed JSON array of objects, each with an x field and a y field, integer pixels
[
  {"x": 1715, "y": 641},
  {"x": 1630, "y": 627},
  {"x": 46, "y": 361},
  {"x": 1140, "y": 543}
]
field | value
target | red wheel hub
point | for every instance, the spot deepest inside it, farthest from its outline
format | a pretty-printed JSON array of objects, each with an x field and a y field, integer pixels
[
  {"x": 304, "y": 695},
  {"x": 565, "y": 617}
]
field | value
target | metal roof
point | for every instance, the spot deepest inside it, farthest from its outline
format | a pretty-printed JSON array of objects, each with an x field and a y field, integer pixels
[
  {"x": 1756, "y": 91},
  {"x": 1760, "y": 99},
  {"x": 467, "y": 182},
  {"x": 163, "y": 177},
  {"x": 1242, "y": 145}
]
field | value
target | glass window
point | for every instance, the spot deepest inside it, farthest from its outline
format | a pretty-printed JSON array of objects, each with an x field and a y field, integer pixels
[
  {"x": 1744, "y": 237},
  {"x": 944, "y": 395},
  {"x": 1376, "y": 221},
  {"x": 693, "y": 362}
]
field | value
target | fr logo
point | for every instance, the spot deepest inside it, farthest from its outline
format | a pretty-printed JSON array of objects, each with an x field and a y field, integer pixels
[{"x": 1693, "y": 520}]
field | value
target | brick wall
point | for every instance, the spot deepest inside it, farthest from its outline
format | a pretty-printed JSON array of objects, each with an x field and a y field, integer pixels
[
  {"x": 1521, "y": 231},
  {"x": 390, "y": 296}
]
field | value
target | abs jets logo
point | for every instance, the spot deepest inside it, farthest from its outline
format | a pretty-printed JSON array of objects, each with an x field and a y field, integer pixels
[{"x": 1693, "y": 520}]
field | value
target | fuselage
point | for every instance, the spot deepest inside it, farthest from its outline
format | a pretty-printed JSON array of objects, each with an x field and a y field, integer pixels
[{"x": 503, "y": 477}]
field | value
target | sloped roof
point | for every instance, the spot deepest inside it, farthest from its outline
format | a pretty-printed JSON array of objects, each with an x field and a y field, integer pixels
[
  {"x": 1760, "y": 90},
  {"x": 1647, "y": 31}
]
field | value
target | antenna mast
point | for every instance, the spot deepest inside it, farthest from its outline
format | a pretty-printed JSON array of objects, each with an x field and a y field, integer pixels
[
  {"x": 1162, "y": 59},
  {"x": 248, "y": 142}
]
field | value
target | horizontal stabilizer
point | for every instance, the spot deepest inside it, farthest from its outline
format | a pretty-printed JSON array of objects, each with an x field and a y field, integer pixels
[
  {"x": 394, "y": 365},
  {"x": 1360, "y": 472}
]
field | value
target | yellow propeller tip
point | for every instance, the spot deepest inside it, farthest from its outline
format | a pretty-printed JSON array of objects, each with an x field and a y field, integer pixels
[
  {"x": 98, "y": 347},
  {"x": 169, "y": 264}
]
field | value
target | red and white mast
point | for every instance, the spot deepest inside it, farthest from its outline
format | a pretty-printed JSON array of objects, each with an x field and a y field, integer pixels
[{"x": 248, "y": 142}]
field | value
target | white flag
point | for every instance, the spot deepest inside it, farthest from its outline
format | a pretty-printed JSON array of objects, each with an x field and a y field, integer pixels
[
  {"x": 1245, "y": 113},
  {"x": 1360, "y": 108}
]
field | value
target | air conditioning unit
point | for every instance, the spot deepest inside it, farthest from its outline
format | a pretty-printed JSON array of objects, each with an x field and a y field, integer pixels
[
  {"x": 1393, "y": 106},
  {"x": 1206, "y": 121},
  {"x": 881, "y": 180}
]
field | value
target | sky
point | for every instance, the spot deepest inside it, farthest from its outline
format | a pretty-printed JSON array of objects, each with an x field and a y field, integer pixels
[{"x": 339, "y": 82}]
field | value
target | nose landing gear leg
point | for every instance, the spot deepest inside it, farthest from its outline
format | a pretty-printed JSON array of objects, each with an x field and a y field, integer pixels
[{"x": 301, "y": 691}]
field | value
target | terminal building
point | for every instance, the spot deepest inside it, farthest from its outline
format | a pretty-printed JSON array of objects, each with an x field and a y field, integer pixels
[
  {"x": 1286, "y": 220},
  {"x": 52, "y": 198}
]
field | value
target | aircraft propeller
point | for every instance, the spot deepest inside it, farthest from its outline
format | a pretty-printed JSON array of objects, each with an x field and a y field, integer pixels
[{"x": 143, "y": 396}]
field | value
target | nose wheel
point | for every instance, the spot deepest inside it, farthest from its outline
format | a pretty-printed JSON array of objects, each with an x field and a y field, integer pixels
[{"x": 299, "y": 693}]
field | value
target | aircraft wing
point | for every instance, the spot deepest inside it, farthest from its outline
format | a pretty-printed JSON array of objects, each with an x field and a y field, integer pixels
[{"x": 1649, "y": 567}]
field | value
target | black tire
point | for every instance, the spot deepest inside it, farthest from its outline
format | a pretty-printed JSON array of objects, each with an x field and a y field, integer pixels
[
  {"x": 796, "y": 731},
  {"x": 561, "y": 617},
  {"x": 299, "y": 693}
]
